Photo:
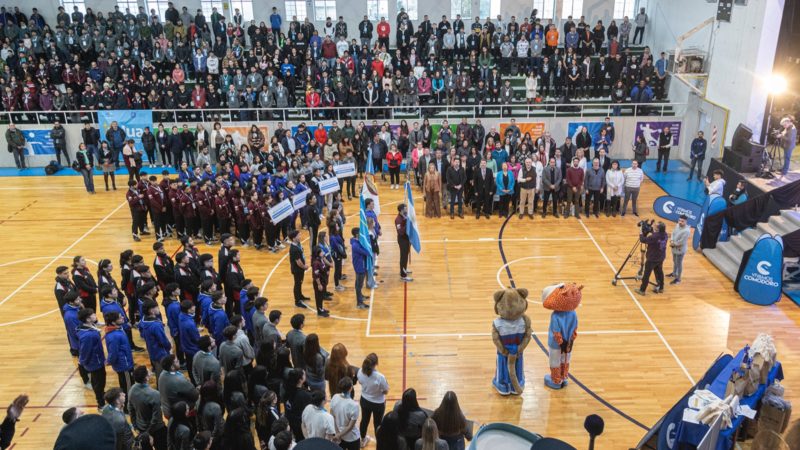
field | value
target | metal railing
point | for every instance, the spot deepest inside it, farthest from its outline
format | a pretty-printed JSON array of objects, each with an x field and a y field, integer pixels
[{"x": 443, "y": 111}]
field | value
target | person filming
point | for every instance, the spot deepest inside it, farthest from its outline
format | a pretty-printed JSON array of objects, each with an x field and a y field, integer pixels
[{"x": 656, "y": 242}]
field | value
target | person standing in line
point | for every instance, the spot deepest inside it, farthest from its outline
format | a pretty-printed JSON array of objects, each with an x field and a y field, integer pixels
[
  {"x": 319, "y": 274},
  {"x": 633, "y": 181},
  {"x": 85, "y": 164},
  {"x": 551, "y": 186},
  {"x": 456, "y": 178},
  {"x": 63, "y": 285},
  {"x": 614, "y": 182},
  {"x": 656, "y": 244},
  {"x": 106, "y": 161},
  {"x": 151, "y": 329},
  {"x": 138, "y": 206},
  {"x": 664, "y": 146},
  {"x": 144, "y": 406},
  {"x": 359, "y": 257},
  {"x": 173, "y": 386},
  {"x": 527, "y": 185},
  {"x": 403, "y": 241},
  {"x": 16, "y": 145},
  {"x": 574, "y": 177},
  {"x": 595, "y": 180},
  {"x": 312, "y": 218},
  {"x": 85, "y": 282},
  {"x": 59, "y": 136},
  {"x": 374, "y": 388},
  {"x": 189, "y": 336},
  {"x": 641, "y": 21},
  {"x": 72, "y": 306},
  {"x": 114, "y": 413},
  {"x": 679, "y": 243},
  {"x": 120, "y": 356},
  {"x": 484, "y": 186},
  {"x": 698, "y": 154},
  {"x": 91, "y": 357},
  {"x": 345, "y": 413},
  {"x": 297, "y": 261}
]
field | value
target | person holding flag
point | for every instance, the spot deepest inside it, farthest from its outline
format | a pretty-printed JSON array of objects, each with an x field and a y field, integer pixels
[
  {"x": 401, "y": 222},
  {"x": 361, "y": 255}
]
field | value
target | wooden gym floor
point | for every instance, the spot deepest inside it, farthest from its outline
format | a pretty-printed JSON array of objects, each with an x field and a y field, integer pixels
[{"x": 637, "y": 354}]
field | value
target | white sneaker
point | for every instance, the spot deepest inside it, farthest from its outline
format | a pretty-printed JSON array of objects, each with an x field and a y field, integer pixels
[
  {"x": 406, "y": 279},
  {"x": 88, "y": 386},
  {"x": 339, "y": 288}
]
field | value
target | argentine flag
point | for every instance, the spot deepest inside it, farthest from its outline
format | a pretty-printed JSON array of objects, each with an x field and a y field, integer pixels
[
  {"x": 412, "y": 228},
  {"x": 364, "y": 240},
  {"x": 370, "y": 167}
]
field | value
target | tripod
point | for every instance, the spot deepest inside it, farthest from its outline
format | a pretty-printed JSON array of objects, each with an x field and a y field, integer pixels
[{"x": 632, "y": 257}]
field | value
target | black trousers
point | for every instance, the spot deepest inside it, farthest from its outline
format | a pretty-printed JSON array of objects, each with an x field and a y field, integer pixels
[
  {"x": 138, "y": 221},
  {"x": 158, "y": 222},
  {"x": 546, "y": 196},
  {"x": 298, "y": 285},
  {"x": 350, "y": 183},
  {"x": 663, "y": 154},
  {"x": 125, "y": 380},
  {"x": 592, "y": 197},
  {"x": 258, "y": 235},
  {"x": 313, "y": 231},
  {"x": 319, "y": 297},
  {"x": 374, "y": 410},
  {"x": 207, "y": 222},
  {"x": 405, "y": 249},
  {"x": 653, "y": 267},
  {"x": 483, "y": 204},
  {"x": 98, "y": 380}
]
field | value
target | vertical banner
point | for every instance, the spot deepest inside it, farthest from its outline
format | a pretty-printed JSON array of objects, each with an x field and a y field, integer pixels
[
  {"x": 712, "y": 205},
  {"x": 760, "y": 278},
  {"x": 652, "y": 129},
  {"x": 132, "y": 121}
]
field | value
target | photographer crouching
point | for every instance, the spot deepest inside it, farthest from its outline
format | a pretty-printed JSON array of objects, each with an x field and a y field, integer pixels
[{"x": 656, "y": 242}]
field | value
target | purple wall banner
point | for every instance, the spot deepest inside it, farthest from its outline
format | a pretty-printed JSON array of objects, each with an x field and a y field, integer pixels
[{"x": 652, "y": 129}]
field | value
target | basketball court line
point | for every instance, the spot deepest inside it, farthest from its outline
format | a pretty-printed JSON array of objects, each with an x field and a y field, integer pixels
[
  {"x": 489, "y": 240},
  {"x": 61, "y": 255},
  {"x": 639, "y": 305},
  {"x": 461, "y": 335}
]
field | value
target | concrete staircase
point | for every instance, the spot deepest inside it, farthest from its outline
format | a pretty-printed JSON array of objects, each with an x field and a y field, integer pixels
[{"x": 728, "y": 255}]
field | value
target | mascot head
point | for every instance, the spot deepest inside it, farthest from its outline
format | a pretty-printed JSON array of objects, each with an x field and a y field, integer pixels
[
  {"x": 511, "y": 304},
  {"x": 562, "y": 296}
]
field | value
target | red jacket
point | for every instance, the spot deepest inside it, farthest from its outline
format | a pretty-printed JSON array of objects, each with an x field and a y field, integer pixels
[
  {"x": 394, "y": 159},
  {"x": 198, "y": 98},
  {"x": 312, "y": 99},
  {"x": 377, "y": 66},
  {"x": 321, "y": 136},
  {"x": 222, "y": 207},
  {"x": 135, "y": 202},
  {"x": 156, "y": 198},
  {"x": 384, "y": 29}
]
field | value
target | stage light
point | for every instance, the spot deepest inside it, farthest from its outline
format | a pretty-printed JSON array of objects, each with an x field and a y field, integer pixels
[{"x": 777, "y": 84}]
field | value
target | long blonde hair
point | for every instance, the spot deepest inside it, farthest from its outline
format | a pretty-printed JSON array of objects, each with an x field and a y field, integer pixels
[{"x": 430, "y": 434}]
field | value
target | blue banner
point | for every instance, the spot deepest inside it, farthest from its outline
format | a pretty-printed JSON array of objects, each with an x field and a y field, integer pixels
[
  {"x": 38, "y": 142},
  {"x": 671, "y": 208},
  {"x": 132, "y": 121},
  {"x": 761, "y": 279},
  {"x": 593, "y": 128},
  {"x": 712, "y": 205}
]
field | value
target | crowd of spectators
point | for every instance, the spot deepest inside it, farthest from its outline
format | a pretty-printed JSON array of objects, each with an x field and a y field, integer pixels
[{"x": 134, "y": 60}]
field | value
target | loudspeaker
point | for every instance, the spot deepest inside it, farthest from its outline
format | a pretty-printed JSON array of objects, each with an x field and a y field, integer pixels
[
  {"x": 742, "y": 135},
  {"x": 741, "y": 163}
]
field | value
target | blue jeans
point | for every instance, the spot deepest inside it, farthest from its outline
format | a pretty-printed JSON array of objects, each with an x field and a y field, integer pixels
[
  {"x": 88, "y": 180},
  {"x": 360, "y": 278},
  {"x": 787, "y": 159},
  {"x": 456, "y": 197}
]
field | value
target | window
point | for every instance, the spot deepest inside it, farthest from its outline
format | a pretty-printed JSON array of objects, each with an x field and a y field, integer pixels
[
  {"x": 244, "y": 6},
  {"x": 624, "y": 8},
  {"x": 411, "y": 8},
  {"x": 490, "y": 8},
  {"x": 296, "y": 8},
  {"x": 324, "y": 9},
  {"x": 463, "y": 7},
  {"x": 131, "y": 5},
  {"x": 572, "y": 8},
  {"x": 377, "y": 9},
  {"x": 70, "y": 4},
  {"x": 207, "y": 6},
  {"x": 546, "y": 8},
  {"x": 159, "y": 6}
]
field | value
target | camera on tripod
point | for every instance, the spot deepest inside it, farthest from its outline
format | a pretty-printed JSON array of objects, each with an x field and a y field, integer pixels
[
  {"x": 775, "y": 136},
  {"x": 646, "y": 226}
]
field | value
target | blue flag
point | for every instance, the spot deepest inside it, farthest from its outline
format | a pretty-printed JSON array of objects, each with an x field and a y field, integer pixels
[
  {"x": 412, "y": 228},
  {"x": 364, "y": 240},
  {"x": 370, "y": 167}
]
